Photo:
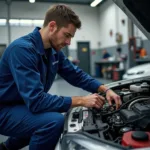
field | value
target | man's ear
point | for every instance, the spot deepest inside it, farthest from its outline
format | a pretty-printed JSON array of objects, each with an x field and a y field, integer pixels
[{"x": 52, "y": 26}]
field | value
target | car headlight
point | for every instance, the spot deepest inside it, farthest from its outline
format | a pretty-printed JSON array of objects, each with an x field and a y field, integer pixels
[
  {"x": 140, "y": 72},
  {"x": 129, "y": 74},
  {"x": 74, "y": 141}
]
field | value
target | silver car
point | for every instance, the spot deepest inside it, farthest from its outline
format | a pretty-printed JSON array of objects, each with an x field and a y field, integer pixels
[{"x": 137, "y": 71}]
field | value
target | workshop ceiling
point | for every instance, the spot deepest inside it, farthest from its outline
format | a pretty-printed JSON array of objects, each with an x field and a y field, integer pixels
[{"x": 84, "y": 2}]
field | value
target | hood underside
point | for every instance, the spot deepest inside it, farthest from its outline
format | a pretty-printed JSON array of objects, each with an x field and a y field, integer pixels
[{"x": 139, "y": 12}]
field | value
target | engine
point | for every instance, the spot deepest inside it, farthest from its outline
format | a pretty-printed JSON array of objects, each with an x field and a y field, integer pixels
[{"x": 128, "y": 126}]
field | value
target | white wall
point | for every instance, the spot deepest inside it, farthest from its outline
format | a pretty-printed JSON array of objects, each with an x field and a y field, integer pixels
[
  {"x": 3, "y": 30},
  {"x": 122, "y": 28},
  {"x": 88, "y": 16},
  {"x": 110, "y": 17},
  {"x": 90, "y": 26},
  {"x": 96, "y": 23},
  {"x": 3, "y": 35},
  {"x": 138, "y": 33}
]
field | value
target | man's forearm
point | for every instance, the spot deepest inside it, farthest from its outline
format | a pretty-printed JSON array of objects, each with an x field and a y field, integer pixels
[
  {"x": 80, "y": 100},
  {"x": 90, "y": 101},
  {"x": 102, "y": 88},
  {"x": 77, "y": 101}
]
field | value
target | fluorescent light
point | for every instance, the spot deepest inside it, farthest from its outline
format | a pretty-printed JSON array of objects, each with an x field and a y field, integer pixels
[
  {"x": 14, "y": 22},
  {"x": 95, "y": 3},
  {"x": 32, "y": 1},
  {"x": 38, "y": 22},
  {"x": 22, "y": 22},
  {"x": 25, "y": 22},
  {"x": 3, "y": 22}
]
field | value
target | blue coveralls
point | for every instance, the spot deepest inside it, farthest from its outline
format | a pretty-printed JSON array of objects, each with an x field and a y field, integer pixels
[{"x": 28, "y": 114}]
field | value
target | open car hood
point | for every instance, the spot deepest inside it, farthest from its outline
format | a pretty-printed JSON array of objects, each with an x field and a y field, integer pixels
[
  {"x": 139, "y": 12},
  {"x": 108, "y": 128}
]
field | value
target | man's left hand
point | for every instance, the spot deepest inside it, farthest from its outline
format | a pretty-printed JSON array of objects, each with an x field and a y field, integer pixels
[{"x": 112, "y": 96}]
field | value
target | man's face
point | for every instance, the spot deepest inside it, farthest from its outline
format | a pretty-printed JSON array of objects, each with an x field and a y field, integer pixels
[{"x": 60, "y": 38}]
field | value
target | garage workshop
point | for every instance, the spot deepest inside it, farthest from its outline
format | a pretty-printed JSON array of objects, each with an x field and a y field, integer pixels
[{"x": 74, "y": 74}]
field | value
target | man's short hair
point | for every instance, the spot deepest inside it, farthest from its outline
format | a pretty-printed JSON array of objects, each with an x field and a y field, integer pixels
[{"x": 62, "y": 15}]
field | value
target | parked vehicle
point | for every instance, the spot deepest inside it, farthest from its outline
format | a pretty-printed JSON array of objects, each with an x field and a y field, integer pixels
[{"x": 137, "y": 71}]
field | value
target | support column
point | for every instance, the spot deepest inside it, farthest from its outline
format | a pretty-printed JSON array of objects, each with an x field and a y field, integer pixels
[
  {"x": 132, "y": 44},
  {"x": 130, "y": 28},
  {"x": 8, "y": 2}
]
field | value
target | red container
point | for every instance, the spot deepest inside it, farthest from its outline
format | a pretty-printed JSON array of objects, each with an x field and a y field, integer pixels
[{"x": 129, "y": 139}]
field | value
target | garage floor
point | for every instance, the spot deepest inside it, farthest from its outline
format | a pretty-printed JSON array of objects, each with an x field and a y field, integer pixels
[{"x": 62, "y": 88}]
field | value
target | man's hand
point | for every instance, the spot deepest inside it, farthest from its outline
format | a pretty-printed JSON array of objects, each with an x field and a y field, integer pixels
[
  {"x": 112, "y": 96},
  {"x": 93, "y": 100}
]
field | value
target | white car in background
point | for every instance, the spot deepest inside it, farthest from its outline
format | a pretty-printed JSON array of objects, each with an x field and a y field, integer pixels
[{"x": 137, "y": 71}]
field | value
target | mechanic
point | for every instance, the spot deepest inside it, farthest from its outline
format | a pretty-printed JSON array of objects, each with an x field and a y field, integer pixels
[
  {"x": 28, "y": 114},
  {"x": 106, "y": 55}
]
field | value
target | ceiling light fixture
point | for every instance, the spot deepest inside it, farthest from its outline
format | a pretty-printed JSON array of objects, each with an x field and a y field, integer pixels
[
  {"x": 32, "y": 1},
  {"x": 95, "y": 3},
  {"x": 38, "y": 22},
  {"x": 3, "y": 21},
  {"x": 14, "y": 22},
  {"x": 26, "y": 22}
]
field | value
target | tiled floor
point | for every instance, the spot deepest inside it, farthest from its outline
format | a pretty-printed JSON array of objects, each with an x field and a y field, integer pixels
[{"x": 62, "y": 88}]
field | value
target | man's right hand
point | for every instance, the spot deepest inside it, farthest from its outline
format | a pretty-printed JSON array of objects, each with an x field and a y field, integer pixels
[{"x": 90, "y": 101}]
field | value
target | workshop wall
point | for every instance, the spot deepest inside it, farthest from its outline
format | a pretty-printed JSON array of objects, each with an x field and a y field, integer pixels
[
  {"x": 110, "y": 23},
  {"x": 138, "y": 33},
  {"x": 3, "y": 29},
  {"x": 24, "y": 10},
  {"x": 3, "y": 9},
  {"x": 99, "y": 26},
  {"x": 3, "y": 35}
]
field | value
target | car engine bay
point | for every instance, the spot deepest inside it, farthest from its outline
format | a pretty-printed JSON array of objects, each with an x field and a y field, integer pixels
[{"x": 129, "y": 126}]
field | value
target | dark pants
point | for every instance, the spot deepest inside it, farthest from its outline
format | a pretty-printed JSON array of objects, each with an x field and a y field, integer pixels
[{"x": 39, "y": 131}]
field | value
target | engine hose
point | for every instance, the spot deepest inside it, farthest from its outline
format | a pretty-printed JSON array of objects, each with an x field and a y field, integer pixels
[
  {"x": 136, "y": 119},
  {"x": 124, "y": 104},
  {"x": 137, "y": 100}
]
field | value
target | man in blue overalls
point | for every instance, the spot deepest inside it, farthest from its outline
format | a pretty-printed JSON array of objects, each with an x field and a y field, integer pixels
[{"x": 28, "y": 114}]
